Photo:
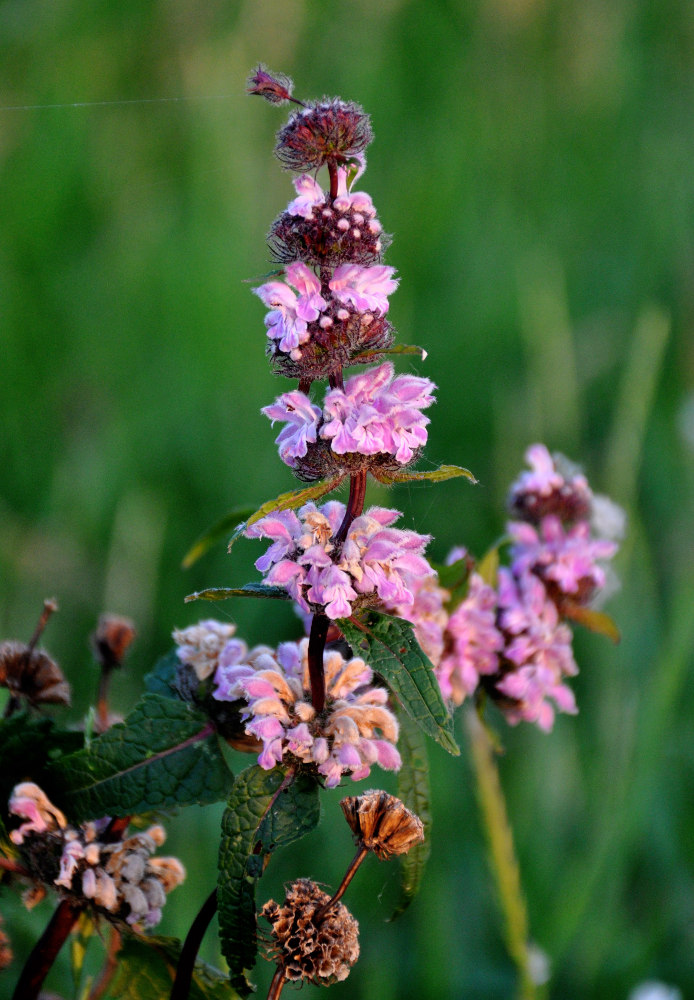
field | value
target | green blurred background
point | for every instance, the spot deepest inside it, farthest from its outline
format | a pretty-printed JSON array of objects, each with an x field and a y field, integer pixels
[{"x": 534, "y": 162}]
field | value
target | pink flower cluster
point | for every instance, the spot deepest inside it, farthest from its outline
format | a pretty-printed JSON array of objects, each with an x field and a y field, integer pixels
[
  {"x": 355, "y": 731},
  {"x": 374, "y": 563},
  {"x": 302, "y": 301},
  {"x": 511, "y": 639},
  {"x": 120, "y": 877},
  {"x": 376, "y": 413}
]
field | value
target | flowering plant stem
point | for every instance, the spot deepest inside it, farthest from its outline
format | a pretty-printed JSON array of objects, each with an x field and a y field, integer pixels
[
  {"x": 501, "y": 853},
  {"x": 277, "y": 984},
  {"x": 45, "y": 951},
  {"x": 191, "y": 946},
  {"x": 349, "y": 875}
]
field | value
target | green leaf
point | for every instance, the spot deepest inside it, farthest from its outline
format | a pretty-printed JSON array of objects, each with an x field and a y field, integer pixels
[
  {"x": 27, "y": 748},
  {"x": 218, "y": 531},
  {"x": 488, "y": 567},
  {"x": 390, "y": 648},
  {"x": 146, "y": 968},
  {"x": 395, "y": 349},
  {"x": 288, "y": 501},
  {"x": 596, "y": 621},
  {"x": 433, "y": 476},
  {"x": 165, "y": 754},
  {"x": 162, "y": 679},
  {"x": 249, "y": 590},
  {"x": 266, "y": 810},
  {"x": 413, "y": 789}
]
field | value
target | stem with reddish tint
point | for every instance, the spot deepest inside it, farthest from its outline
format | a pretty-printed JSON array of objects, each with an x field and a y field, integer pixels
[
  {"x": 316, "y": 647},
  {"x": 355, "y": 505},
  {"x": 277, "y": 984},
  {"x": 110, "y": 966},
  {"x": 45, "y": 951},
  {"x": 349, "y": 875},
  {"x": 191, "y": 947},
  {"x": 332, "y": 171}
]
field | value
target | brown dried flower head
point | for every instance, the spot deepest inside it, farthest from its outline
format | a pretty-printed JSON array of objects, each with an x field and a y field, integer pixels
[
  {"x": 321, "y": 950},
  {"x": 382, "y": 823},
  {"x": 274, "y": 87},
  {"x": 112, "y": 639},
  {"x": 32, "y": 674},
  {"x": 327, "y": 131}
]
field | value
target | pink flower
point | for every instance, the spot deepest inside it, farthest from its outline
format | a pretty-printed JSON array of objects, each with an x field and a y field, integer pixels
[
  {"x": 309, "y": 195},
  {"x": 288, "y": 320},
  {"x": 302, "y": 419},
  {"x": 365, "y": 288},
  {"x": 474, "y": 643},
  {"x": 375, "y": 559},
  {"x": 377, "y": 413},
  {"x": 552, "y": 486},
  {"x": 355, "y": 731},
  {"x": 568, "y": 558}
]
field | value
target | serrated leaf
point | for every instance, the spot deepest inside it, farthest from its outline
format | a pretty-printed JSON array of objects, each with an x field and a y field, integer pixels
[
  {"x": 249, "y": 590},
  {"x": 395, "y": 349},
  {"x": 165, "y": 754},
  {"x": 146, "y": 968},
  {"x": 288, "y": 501},
  {"x": 433, "y": 476},
  {"x": 162, "y": 679},
  {"x": 266, "y": 810},
  {"x": 413, "y": 789},
  {"x": 218, "y": 531},
  {"x": 390, "y": 648},
  {"x": 27, "y": 748},
  {"x": 596, "y": 621}
]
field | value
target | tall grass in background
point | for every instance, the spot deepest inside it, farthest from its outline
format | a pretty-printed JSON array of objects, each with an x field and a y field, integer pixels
[{"x": 534, "y": 161}]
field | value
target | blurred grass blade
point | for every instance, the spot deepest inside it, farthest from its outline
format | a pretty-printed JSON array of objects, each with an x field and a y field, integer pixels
[
  {"x": 218, "y": 531},
  {"x": 635, "y": 399}
]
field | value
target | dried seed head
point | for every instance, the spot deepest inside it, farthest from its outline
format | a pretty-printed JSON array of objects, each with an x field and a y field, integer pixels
[
  {"x": 328, "y": 131},
  {"x": 382, "y": 823},
  {"x": 321, "y": 950},
  {"x": 112, "y": 639},
  {"x": 274, "y": 87},
  {"x": 32, "y": 674}
]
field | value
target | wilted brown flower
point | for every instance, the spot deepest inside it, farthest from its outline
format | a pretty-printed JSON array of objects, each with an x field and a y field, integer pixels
[
  {"x": 382, "y": 823},
  {"x": 32, "y": 674},
  {"x": 112, "y": 639},
  {"x": 308, "y": 944}
]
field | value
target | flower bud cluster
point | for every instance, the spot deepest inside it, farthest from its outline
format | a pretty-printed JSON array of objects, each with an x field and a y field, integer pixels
[
  {"x": 373, "y": 565},
  {"x": 120, "y": 878},
  {"x": 375, "y": 422},
  {"x": 511, "y": 640}
]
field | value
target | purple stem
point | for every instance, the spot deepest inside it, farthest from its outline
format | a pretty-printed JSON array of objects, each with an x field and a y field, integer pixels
[{"x": 355, "y": 505}]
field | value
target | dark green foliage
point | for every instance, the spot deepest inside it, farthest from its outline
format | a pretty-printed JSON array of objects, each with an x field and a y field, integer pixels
[
  {"x": 162, "y": 679},
  {"x": 28, "y": 745},
  {"x": 389, "y": 646},
  {"x": 146, "y": 968},
  {"x": 413, "y": 789},
  {"x": 266, "y": 810},
  {"x": 165, "y": 754}
]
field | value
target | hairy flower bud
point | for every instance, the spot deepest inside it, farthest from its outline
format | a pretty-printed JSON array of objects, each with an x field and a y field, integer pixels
[
  {"x": 327, "y": 131},
  {"x": 112, "y": 639},
  {"x": 382, "y": 823},
  {"x": 308, "y": 945},
  {"x": 274, "y": 87},
  {"x": 32, "y": 674}
]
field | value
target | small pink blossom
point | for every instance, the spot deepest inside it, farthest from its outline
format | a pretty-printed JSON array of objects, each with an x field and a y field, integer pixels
[
  {"x": 474, "y": 642},
  {"x": 309, "y": 195},
  {"x": 302, "y": 420},
  {"x": 288, "y": 320},
  {"x": 365, "y": 288}
]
